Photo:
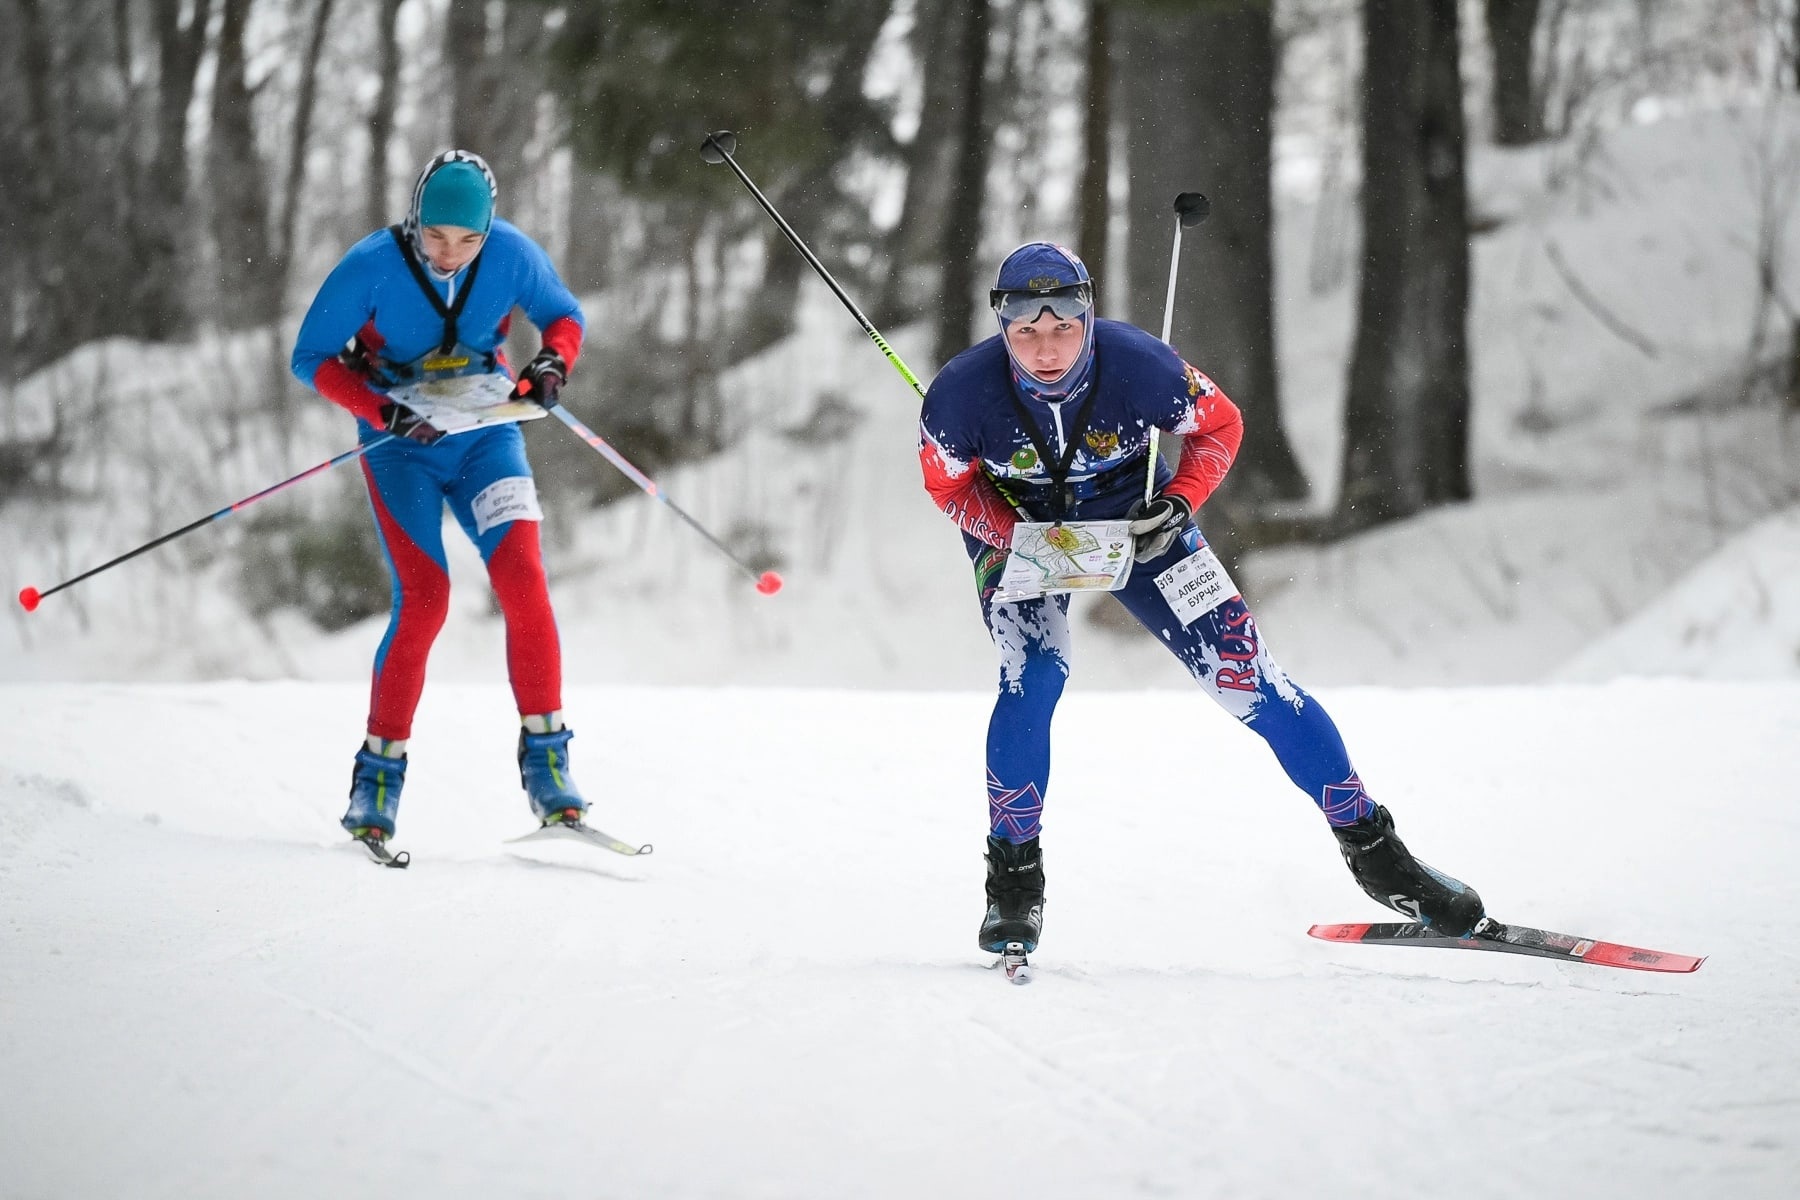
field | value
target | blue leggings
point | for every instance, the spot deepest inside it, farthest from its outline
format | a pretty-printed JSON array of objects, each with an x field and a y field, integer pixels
[{"x": 1223, "y": 650}]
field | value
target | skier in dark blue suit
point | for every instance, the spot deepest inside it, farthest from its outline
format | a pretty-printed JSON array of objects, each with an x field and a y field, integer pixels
[
  {"x": 429, "y": 300},
  {"x": 1052, "y": 420}
]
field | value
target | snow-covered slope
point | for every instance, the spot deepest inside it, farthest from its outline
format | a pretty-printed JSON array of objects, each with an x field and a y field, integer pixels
[
  {"x": 1607, "y": 466},
  {"x": 202, "y": 994}
]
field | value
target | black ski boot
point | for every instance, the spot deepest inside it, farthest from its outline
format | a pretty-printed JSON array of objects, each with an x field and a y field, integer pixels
[
  {"x": 1015, "y": 892},
  {"x": 1389, "y": 873}
]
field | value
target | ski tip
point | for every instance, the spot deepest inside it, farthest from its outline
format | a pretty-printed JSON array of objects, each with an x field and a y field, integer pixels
[
  {"x": 1339, "y": 933},
  {"x": 1636, "y": 958}
]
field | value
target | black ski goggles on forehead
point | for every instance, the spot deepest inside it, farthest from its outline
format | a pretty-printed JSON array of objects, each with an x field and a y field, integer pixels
[{"x": 1064, "y": 303}]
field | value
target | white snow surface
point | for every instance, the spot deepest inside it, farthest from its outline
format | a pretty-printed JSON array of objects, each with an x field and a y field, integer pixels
[{"x": 204, "y": 993}]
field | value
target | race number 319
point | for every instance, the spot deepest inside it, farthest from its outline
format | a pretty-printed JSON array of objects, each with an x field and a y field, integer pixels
[{"x": 1196, "y": 585}]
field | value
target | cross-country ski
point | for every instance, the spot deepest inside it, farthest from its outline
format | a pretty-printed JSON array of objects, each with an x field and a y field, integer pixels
[
  {"x": 574, "y": 829},
  {"x": 1514, "y": 939}
]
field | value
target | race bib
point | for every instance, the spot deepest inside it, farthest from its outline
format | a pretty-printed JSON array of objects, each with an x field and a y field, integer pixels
[
  {"x": 1196, "y": 585},
  {"x": 510, "y": 499},
  {"x": 1066, "y": 556}
]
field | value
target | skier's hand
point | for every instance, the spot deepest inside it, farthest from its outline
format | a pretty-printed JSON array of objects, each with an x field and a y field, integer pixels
[
  {"x": 402, "y": 421},
  {"x": 542, "y": 379},
  {"x": 1155, "y": 523}
]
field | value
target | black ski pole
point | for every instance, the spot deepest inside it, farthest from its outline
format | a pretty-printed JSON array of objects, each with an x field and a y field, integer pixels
[
  {"x": 30, "y": 597},
  {"x": 717, "y": 148},
  {"x": 767, "y": 582}
]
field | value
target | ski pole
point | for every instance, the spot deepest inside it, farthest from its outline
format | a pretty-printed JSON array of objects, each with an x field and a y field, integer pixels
[
  {"x": 31, "y": 597},
  {"x": 717, "y": 148},
  {"x": 767, "y": 582},
  {"x": 1190, "y": 209}
]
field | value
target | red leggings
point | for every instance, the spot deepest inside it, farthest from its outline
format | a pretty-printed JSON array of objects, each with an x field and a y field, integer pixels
[{"x": 422, "y": 601}]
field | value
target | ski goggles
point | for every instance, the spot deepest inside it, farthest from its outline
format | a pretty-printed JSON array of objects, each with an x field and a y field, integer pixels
[{"x": 1064, "y": 303}]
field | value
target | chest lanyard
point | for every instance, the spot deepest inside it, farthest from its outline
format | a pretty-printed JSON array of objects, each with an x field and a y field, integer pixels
[
  {"x": 1063, "y": 497},
  {"x": 450, "y": 312}
]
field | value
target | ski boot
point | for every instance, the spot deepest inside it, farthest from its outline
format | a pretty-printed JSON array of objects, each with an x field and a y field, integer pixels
[
  {"x": 544, "y": 772},
  {"x": 1387, "y": 871},
  {"x": 375, "y": 783},
  {"x": 1015, "y": 892}
]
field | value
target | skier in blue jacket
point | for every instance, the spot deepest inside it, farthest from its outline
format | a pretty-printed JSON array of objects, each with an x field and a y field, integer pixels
[
  {"x": 1051, "y": 420},
  {"x": 428, "y": 300}
]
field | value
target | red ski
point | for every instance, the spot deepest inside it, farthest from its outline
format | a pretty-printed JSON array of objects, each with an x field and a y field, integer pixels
[{"x": 1514, "y": 939}]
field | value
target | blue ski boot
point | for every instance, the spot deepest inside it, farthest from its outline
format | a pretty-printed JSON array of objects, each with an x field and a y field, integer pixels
[
  {"x": 544, "y": 772},
  {"x": 375, "y": 784}
]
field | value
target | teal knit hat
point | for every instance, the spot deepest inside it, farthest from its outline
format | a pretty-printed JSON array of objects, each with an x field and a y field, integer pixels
[{"x": 457, "y": 193}]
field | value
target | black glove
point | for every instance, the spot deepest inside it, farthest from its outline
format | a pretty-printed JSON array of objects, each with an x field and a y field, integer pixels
[
  {"x": 1155, "y": 523},
  {"x": 402, "y": 421},
  {"x": 542, "y": 379}
]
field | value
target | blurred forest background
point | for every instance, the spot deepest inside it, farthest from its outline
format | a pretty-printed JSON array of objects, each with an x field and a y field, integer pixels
[{"x": 180, "y": 168}]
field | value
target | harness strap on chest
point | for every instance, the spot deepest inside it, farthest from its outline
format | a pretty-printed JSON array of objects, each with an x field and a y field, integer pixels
[
  {"x": 450, "y": 312},
  {"x": 1062, "y": 498}
]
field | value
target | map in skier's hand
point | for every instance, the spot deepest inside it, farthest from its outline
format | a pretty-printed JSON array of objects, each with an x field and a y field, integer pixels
[
  {"x": 1066, "y": 556},
  {"x": 467, "y": 402}
]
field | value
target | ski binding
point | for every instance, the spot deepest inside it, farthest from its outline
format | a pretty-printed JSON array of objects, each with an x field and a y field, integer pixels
[
  {"x": 378, "y": 850},
  {"x": 1514, "y": 939},
  {"x": 1014, "y": 962}
]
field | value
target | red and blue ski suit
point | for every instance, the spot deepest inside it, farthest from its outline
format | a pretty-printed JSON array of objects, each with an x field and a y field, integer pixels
[
  {"x": 377, "y": 297},
  {"x": 983, "y": 441}
]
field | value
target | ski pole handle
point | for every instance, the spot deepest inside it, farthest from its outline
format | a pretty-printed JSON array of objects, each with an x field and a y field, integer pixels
[{"x": 30, "y": 598}]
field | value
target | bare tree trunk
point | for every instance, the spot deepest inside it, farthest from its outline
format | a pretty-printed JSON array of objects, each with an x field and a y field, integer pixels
[
  {"x": 56, "y": 323},
  {"x": 465, "y": 57},
  {"x": 1199, "y": 93},
  {"x": 962, "y": 232},
  {"x": 164, "y": 289},
  {"x": 914, "y": 282},
  {"x": 238, "y": 186},
  {"x": 814, "y": 197},
  {"x": 298, "y": 138},
  {"x": 1407, "y": 412},
  {"x": 1511, "y": 25},
  {"x": 1096, "y": 203},
  {"x": 381, "y": 119},
  {"x": 494, "y": 86}
]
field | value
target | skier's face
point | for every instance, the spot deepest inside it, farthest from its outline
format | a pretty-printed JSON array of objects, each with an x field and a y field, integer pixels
[
  {"x": 1047, "y": 346},
  {"x": 450, "y": 247}
]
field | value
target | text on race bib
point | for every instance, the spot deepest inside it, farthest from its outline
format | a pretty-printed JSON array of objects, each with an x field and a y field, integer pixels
[
  {"x": 1196, "y": 585},
  {"x": 511, "y": 499}
]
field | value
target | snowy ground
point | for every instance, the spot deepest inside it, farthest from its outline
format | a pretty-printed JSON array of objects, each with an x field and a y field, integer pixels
[{"x": 203, "y": 995}]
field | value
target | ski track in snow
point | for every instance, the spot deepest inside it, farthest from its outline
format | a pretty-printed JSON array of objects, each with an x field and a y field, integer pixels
[{"x": 204, "y": 992}]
